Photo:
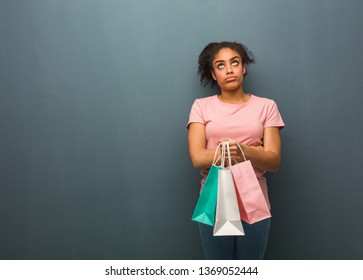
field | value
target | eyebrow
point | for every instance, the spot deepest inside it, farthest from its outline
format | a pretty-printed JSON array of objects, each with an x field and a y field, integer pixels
[{"x": 218, "y": 61}]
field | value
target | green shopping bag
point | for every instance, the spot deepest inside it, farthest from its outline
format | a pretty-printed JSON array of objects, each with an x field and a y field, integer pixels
[{"x": 205, "y": 210}]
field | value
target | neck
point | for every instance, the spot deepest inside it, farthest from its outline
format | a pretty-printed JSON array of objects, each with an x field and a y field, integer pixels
[{"x": 234, "y": 97}]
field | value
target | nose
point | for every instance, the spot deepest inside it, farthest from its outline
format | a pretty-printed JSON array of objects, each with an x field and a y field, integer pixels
[{"x": 229, "y": 69}]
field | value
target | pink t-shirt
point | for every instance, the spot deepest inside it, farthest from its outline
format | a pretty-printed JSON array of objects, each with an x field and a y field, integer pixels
[{"x": 243, "y": 122}]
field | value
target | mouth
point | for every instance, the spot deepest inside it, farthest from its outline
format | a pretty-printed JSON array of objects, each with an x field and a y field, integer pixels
[{"x": 230, "y": 79}]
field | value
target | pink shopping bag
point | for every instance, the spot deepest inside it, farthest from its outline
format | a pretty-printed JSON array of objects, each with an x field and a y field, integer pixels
[{"x": 251, "y": 200}]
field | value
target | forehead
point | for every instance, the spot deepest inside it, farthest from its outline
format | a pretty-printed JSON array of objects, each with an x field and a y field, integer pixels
[{"x": 226, "y": 54}]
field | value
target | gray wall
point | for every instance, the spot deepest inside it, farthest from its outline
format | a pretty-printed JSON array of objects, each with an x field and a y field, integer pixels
[{"x": 95, "y": 97}]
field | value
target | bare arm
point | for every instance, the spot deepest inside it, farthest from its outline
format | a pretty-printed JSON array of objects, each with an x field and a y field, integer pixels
[
  {"x": 266, "y": 157},
  {"x": 200, "y": 156}
]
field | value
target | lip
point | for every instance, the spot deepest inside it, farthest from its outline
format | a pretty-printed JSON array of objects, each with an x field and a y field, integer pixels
[{"x": 230, "y": 79}]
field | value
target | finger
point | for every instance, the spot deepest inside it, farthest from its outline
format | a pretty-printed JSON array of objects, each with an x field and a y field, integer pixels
[
  {"x": 257, "y": 143},
  {"x": 223, "y": 139},
  {"x": 233, "y": 153},
  {"x": 233, "y": 148}
]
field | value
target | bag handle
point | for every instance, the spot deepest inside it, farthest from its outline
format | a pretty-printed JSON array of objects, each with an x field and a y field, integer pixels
[
  {"x": 226, "y": 151},
  {"x": 215, "y": 154},
  {"x": 223, "y": 153},
  {"x": 243, "y": 154}
]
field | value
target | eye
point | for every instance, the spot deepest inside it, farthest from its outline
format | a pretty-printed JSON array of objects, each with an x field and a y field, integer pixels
[
  {"x": 220, "y": 66},
  {"x": 235, "y": 62}
]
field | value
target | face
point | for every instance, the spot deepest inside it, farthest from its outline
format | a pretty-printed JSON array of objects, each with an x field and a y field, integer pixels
[{"x": 228, "y": 69}]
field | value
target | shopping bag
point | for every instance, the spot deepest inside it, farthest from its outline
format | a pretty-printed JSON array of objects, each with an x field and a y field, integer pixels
[
  {"x": 228, "y": 220},
  {"x": 251, "y": 200},
  {"x": 205, "y": 210}
]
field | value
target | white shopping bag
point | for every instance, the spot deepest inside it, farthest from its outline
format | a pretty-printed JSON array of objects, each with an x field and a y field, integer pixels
[{"x": 228, "y": 221}]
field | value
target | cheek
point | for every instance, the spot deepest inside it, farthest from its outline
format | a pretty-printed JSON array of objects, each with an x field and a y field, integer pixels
[{"x": 217, "y": 76}]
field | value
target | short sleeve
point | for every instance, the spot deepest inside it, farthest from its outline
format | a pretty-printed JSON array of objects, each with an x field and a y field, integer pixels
[
  {"x": 274, "y": 118},
  {"x": 196, "y": 114}
]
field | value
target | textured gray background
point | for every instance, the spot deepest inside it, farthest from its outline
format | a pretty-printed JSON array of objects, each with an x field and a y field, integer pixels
[{"x": 94, "y": 100}]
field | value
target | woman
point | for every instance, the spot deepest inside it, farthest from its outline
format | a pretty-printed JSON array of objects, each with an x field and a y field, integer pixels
[{"x": 253, "y": 121}]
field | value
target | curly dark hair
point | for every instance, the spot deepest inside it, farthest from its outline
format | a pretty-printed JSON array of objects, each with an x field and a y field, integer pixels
[{"x": 208, "y": 53}]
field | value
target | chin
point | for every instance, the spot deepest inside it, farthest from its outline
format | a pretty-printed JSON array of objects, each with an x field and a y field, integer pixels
[{"x": 232, "y": 88}]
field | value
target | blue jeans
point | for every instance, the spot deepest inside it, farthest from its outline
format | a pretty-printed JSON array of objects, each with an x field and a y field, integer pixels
[{"x": 251, "y": 246}]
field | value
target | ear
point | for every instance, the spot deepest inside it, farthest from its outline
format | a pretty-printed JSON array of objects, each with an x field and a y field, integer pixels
[
  {"x": 244, "y": 69},
  {"x": 213, "y": 75}
]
